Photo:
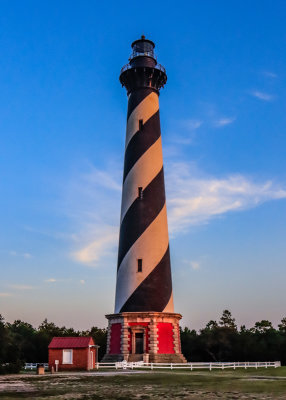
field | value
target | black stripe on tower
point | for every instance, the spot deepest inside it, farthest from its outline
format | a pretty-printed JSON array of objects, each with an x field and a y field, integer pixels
[
  {"x": 155, "y": 291},
  {"x": 141, "y": 214},
  {"x": 141, "y": 141},
  {"x": 136, "y": 97}
]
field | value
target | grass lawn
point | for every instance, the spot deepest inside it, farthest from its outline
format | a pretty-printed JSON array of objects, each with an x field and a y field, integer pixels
[{"x": 179, "y": 384}]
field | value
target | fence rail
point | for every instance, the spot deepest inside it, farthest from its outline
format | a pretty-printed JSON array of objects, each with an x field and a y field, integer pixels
[
  {"x": 191, "y": 366},
  {"x": 34, "y": 365}
]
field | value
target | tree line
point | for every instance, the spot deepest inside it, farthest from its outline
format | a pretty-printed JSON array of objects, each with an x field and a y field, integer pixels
[
  {"x": 20, "y": 342},
  {"x": 224, "y": 341}
]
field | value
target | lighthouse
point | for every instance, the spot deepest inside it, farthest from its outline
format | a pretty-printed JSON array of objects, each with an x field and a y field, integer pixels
[{"x": 144, "y": 325}]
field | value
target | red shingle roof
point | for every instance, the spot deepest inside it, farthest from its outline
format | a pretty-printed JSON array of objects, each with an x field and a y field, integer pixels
[{"x": 70, "y": 342}]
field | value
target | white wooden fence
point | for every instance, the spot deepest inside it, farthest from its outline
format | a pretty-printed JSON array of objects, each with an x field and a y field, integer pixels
[
  {"x": 190, "y": 366},
  {"x": 34, "y": 365}
]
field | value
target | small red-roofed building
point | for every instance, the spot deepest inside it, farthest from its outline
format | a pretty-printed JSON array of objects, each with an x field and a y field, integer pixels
[{"x": 72, "y": 353}]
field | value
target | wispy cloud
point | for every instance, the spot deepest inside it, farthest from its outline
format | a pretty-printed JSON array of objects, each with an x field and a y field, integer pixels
[
  {"x": 4, "y": 294},
  {"x": 192, "y": 124},
  {"x": 17, "y": 254},
  {"x": 194, "y": 200},
  {"x": 93, "y": 203},
  {"x": 262, "y": 95},
  {"x": 180, "y": 139},
  {"x": 90, "y": 195},
  {"x": 64, "y": 280},
  {"x": 224, "y": 121},
  {"x": 101, "y": 246},
  {"x": 97, "y": 177},
  {"x": 270, "y": 74},
  {"x": 195, "y": 265},
  {"x": 185, "y": 131},
  {"x": 27, "y": 255},
  {"x": 21, "y": 287}
]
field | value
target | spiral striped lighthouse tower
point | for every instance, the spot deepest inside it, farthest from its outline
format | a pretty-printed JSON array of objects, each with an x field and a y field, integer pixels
[{"x": 144, "y": 325}]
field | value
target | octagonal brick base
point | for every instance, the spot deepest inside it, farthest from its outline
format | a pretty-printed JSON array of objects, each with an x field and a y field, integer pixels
[{"x": 161, "y": 337}]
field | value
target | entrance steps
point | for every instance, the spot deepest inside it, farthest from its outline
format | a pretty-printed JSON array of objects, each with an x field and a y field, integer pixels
[
  {"x": 135, "y": 357},
  {"x": 153, "y": 358},
  {"x": 167, "y": 358},
  {"x": 112, "y": 358}
]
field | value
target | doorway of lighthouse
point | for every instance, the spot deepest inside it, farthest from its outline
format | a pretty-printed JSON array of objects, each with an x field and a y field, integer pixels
[{"x": 139, "y": 348}]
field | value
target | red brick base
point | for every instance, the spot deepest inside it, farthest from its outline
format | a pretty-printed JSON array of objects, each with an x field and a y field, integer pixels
[{"x": 161, "y": 337}]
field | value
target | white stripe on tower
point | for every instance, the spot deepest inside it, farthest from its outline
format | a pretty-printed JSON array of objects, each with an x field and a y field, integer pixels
[
  {"x": 144, "y": 171},
  {"x": 143, "y": 112},
  {"x": 150, "y": 250}
]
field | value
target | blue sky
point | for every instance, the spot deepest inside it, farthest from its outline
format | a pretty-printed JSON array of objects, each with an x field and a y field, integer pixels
[{"x": 62, "y": 128}]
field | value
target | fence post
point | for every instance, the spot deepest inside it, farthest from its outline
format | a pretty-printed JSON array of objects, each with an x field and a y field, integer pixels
[
  {"x": 210, "y": 366},
  {"x": 171, "y": 365},
  {"x": 191, "y": 366}
]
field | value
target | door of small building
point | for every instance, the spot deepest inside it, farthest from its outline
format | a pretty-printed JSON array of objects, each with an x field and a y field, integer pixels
[
  {"x": 139, "y": 345},
  {"x": 91, "y": 359}
]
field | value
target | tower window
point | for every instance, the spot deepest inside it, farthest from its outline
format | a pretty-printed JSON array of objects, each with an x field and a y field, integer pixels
[
  {"x": 140, "y": 124},
  {"x": 139, "y": 264},
  {"x": 140, "y": 192}
]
